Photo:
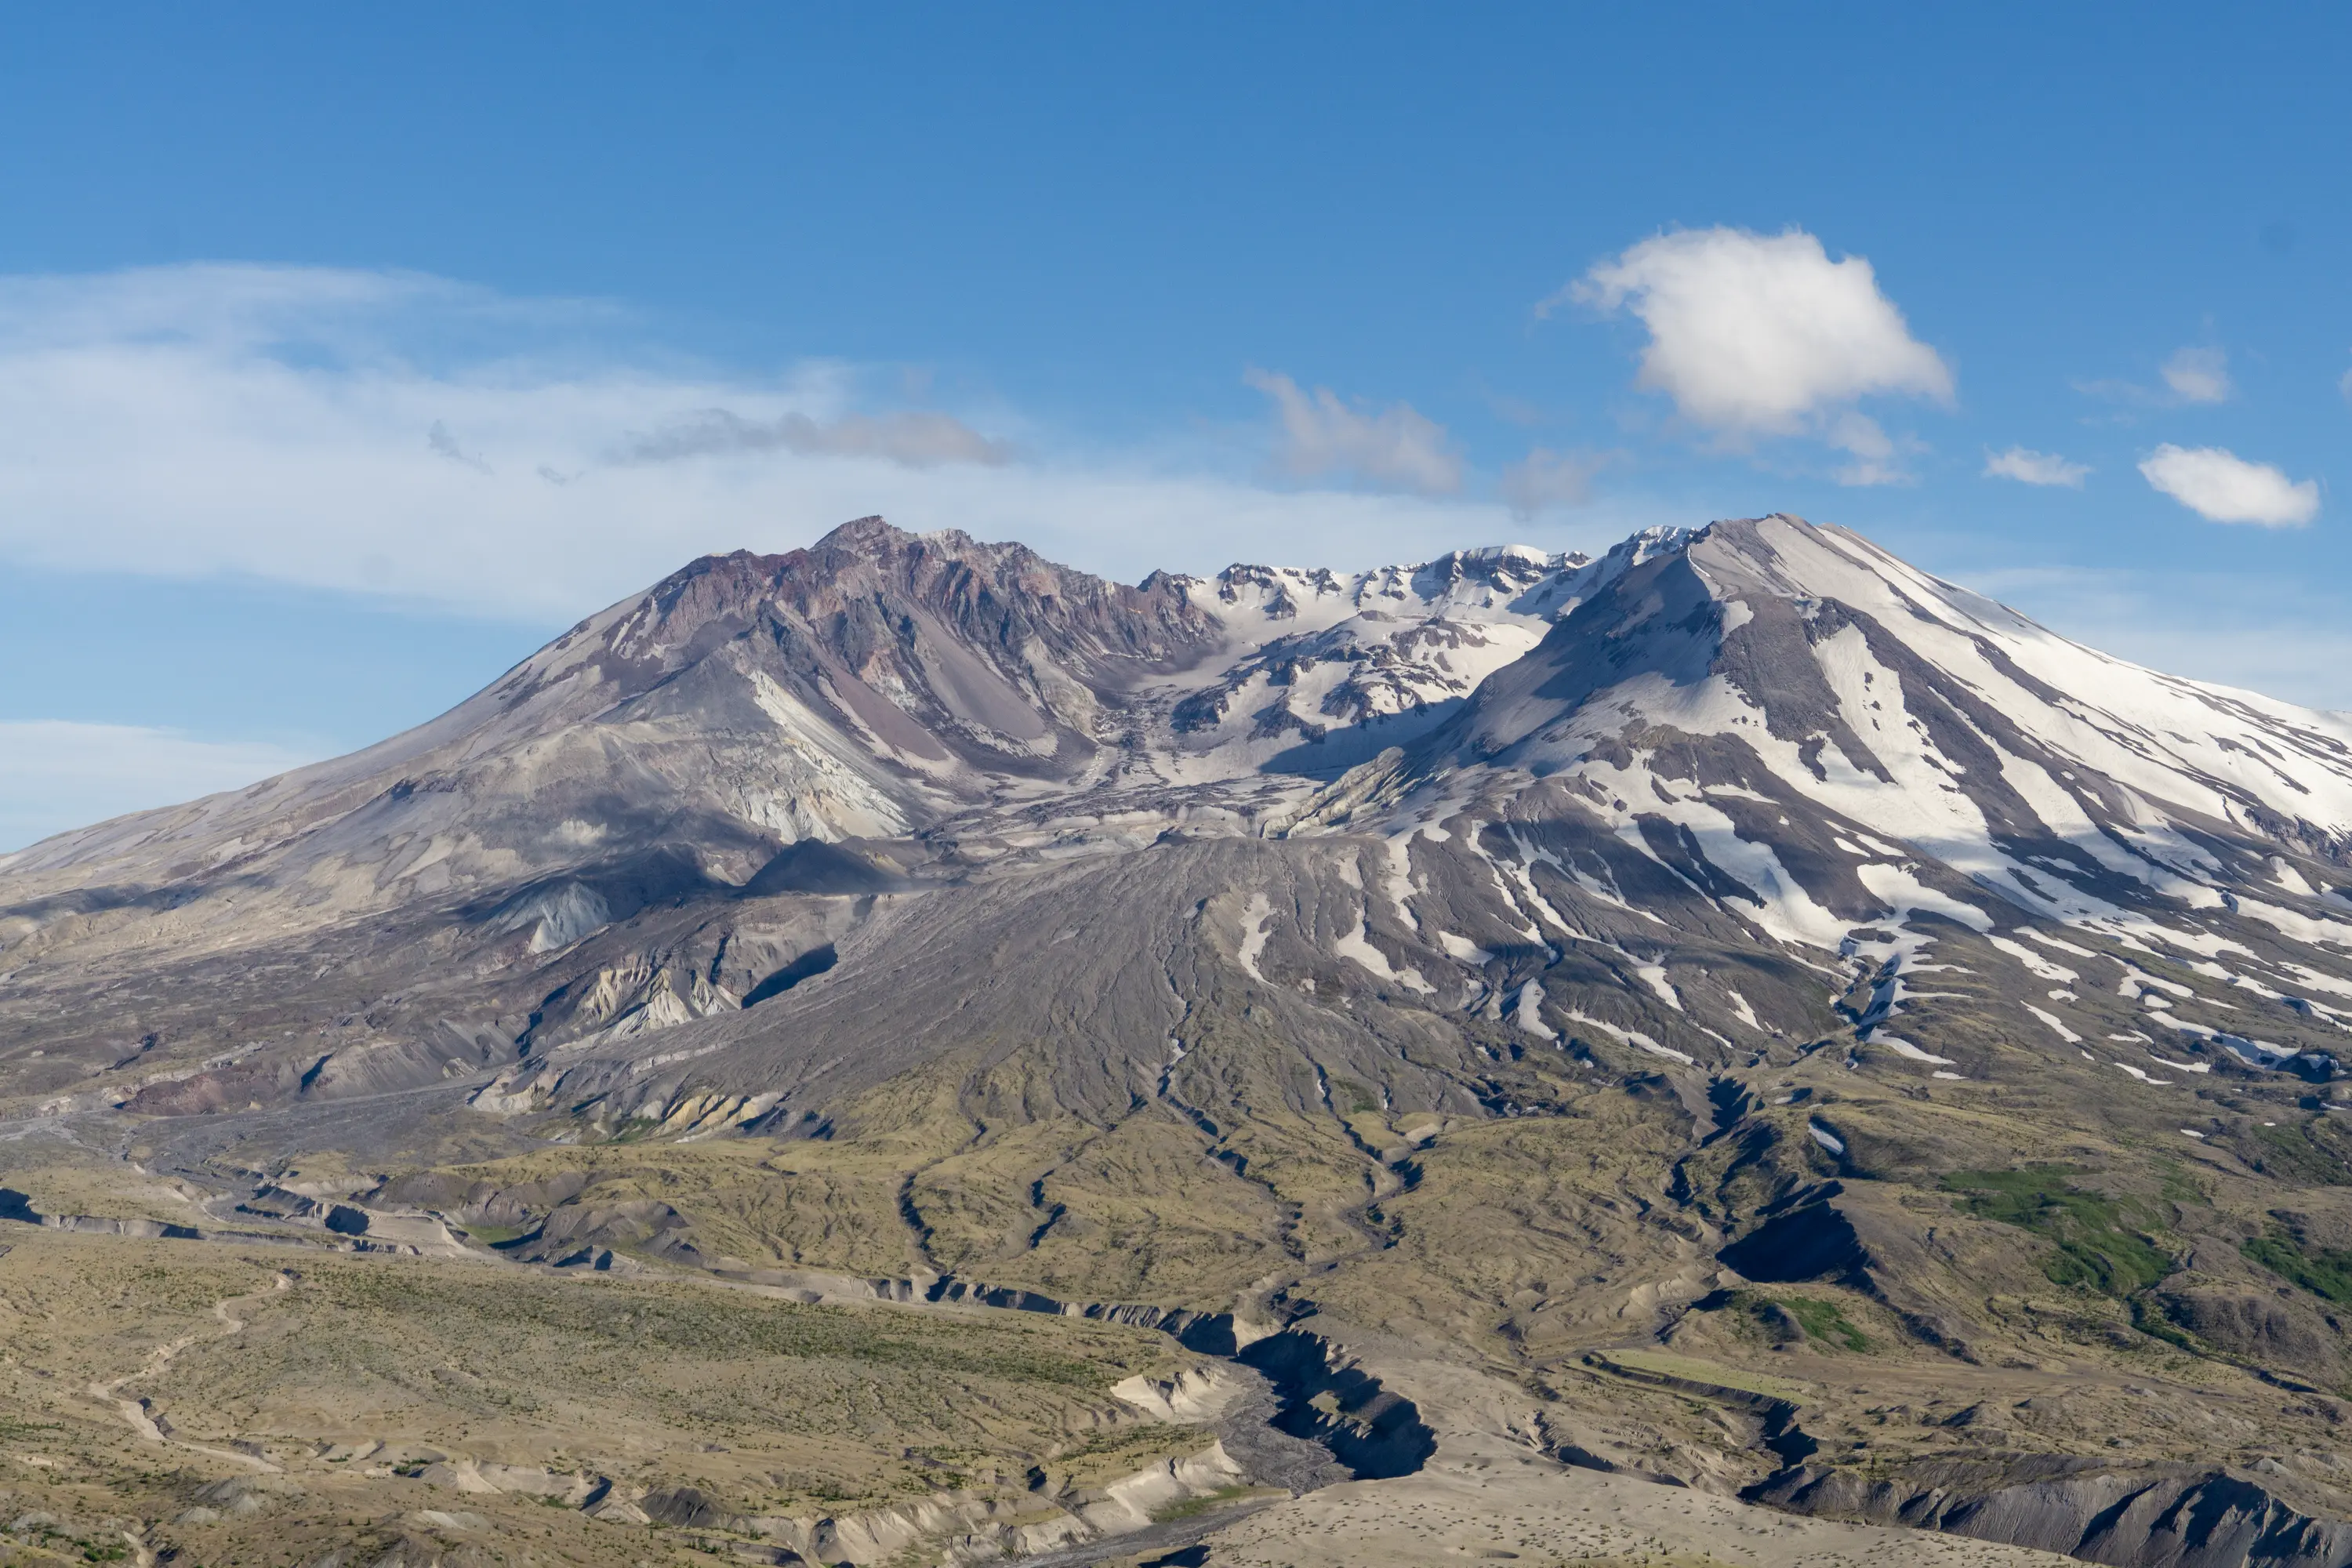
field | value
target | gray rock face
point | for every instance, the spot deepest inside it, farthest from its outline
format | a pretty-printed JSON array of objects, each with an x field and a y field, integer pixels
[
  {"x": 675, "y": 740},
  {"x": 2132, "y": 1518}
]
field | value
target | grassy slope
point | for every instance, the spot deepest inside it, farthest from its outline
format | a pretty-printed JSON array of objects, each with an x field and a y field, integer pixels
[{"x": 365, "y": 1364}]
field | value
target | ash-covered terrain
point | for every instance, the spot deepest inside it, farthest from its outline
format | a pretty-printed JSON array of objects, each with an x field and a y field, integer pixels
[{"x": 1739, "y": 1012}]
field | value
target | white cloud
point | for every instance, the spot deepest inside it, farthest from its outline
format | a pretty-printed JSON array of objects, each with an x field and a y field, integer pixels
[
  {"x": 2199, "y": 375},
  {"x": 2031, "y": 467},
  {"x": 2192, "y": 376},
  {"x": 1756, "y": 334},
  {"x": 56, "y": 774},
  {"x": 2222, "y": 487},
  {"x": 920, "y": 439},
  {"x": 1545, "y": 479},
  {"x": 279, "y": 423},
  {"x": 1322, "y": 435},
  {"x": 1872, "y": 450}
]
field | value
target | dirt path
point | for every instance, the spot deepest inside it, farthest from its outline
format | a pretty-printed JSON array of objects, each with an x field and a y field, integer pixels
[{"x": 134, "y": 1413}]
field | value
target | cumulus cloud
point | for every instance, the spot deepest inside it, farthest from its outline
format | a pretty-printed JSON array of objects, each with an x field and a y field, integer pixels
[
  {"x": 2222, "y": 487},
  {"x": 2199, "y": 375},
  {"x": 1754, "y": 334},
  {"x": 2031, "y": 467},
  {"x": 1322, "y": 435},
  {"x": 914, "y": 437},
  {"x": 277, "y": 424},
  {"x": 1545, "y": 479},
  {"x": 56, "y": 774}
]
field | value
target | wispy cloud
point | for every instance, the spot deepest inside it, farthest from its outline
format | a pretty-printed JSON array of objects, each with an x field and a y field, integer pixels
[
  {"x": 2192, "y": 376},
  {"x": 1872, "y": 454},
  {"x": 1755, "y": 335},
  {"x": 1394, "y": 446},
  {"x": 56, "y": 774},
  {"x": 1545, "y": 480},
  {"x": 2199, "y": 375},
  {"x": 2222, "y": 487},
  {"x": 917, "y": 438},
  {"x": 438, "y": 438},
  {"x": 279, "y": 423},
  {"x": 2031, "y": 467}
]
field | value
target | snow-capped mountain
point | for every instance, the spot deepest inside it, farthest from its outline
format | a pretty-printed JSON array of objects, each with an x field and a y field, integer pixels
[
  {"x": 1687, "y": 946},
  {"x": 864, "y": 687},
  {"x": 1586, "y": 781},
  {"x": 1790, "y": 728},
  {"x": 1331, "y": 670},
  {"x": 1772, "y": 665}
]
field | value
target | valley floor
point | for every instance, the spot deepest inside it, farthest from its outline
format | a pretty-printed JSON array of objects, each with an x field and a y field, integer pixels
[{"x": 174, "y": 1401}]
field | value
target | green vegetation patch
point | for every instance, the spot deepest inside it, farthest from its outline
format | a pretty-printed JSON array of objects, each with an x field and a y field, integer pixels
[
  {"x": 2326, "y": 1274},
  {"x": 1823, "y": 1323},
  {"x": 1822, "y": 1320},
  {"x": 2178, "y": 1187},
  {"x": 2153, "y": 1323},
  {"x": 2104, "y": 1244},
  {"x": 2315, "y": 1150},
  {"x": 1195, "y": 1507},
  {"x": 712, "y": 1327},
  {"x": 1669, "y": 1364}
]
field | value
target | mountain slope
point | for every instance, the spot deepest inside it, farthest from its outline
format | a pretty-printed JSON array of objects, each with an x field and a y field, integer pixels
[
  {"x": 1676, "y": 954},
  {"x": 746, "y": 702}
]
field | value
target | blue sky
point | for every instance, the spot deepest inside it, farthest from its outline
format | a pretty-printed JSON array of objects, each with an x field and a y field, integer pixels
[{"x": 346, "y": 355}]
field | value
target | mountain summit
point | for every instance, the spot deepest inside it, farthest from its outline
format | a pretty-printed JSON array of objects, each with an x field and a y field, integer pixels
[
  {"x": 1764, "y": 737},
  {"x": 1693, "y": 948}
]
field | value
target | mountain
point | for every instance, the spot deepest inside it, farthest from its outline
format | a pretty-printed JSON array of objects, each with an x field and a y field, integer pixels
[
  {"x": 1738, "y": 945},
  {"x": 1788, "y": 727}
]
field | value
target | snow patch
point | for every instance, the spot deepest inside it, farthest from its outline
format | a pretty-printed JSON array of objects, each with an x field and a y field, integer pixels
[
  {"x": 1654, "y": 975},
  {"x": 1904, "y": 1049},
  {"x": 2059, "y": 943},
  {"x": 1527, "y": 1012},
  {"x": 1355, "y": 948},
  {"x": 2034, "y": 962},
  {"x": 1254, "y": 933},
  {"x": 2062, "y": 1032},
  {"x": 1633, "y": 1038},
  {"x": 1463, "y": 948}
]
